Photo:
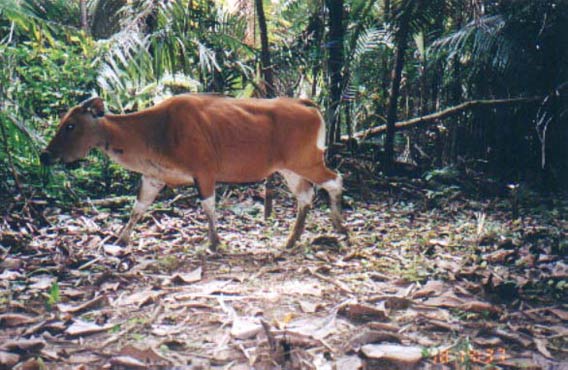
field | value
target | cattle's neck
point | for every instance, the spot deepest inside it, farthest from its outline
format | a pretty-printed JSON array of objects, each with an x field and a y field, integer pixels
[
  {"x": 122, "y": 140},
  {"x": 112, "y": 137},
  {"x": 133, "y": 141}
]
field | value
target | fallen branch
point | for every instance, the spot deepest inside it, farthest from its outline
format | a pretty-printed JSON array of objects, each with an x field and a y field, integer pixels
[{"x": 379, "y": 130}]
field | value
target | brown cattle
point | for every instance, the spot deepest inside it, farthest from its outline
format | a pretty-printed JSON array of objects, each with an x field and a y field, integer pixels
[{"x": 202, "y": 140}]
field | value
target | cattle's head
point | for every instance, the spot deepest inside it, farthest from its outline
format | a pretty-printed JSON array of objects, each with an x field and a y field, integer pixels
[{"x": 77, "y": 133}]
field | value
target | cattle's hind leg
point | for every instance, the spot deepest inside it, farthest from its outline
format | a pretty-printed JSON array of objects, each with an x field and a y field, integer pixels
[
  {"x": 322, "y": 176},
  {"x": 149, "y": 189},
  {"x": 304, "y": 193},
  {"x": 334, "y": 188},
  {"x": 206, "y": 188}
]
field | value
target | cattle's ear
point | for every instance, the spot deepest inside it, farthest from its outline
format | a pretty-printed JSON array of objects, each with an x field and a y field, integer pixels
[{"x": 94, "y": 105}]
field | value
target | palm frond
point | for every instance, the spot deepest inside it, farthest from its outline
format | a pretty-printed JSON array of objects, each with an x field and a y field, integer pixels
[
  {"x": 483, "y": 29},
  {"x": 368, "y": 41}
]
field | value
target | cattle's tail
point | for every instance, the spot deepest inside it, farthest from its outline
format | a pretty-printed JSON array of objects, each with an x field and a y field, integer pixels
[{"x": 321, "y": 131}]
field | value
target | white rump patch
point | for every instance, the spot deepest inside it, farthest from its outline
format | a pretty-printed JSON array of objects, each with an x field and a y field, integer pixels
[{"x": 321, "y": 134}]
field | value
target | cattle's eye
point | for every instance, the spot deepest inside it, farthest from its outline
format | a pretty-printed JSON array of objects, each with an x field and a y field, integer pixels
[{"x": 69, "y": 126}]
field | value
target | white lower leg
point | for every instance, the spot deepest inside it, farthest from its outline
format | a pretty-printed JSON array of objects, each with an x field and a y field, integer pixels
[
  {"x": 149, "y": 189},
  {"x": 305, "y": 198},
  {"x": 304, "y": 193},
  {"x": 137, "y": 212},
  {"x": 208, "y": 205},
  {"x": 334, "y": 188}
]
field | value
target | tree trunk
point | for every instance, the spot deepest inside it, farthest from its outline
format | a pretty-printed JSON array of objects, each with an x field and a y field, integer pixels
[
  {"x": 401, "y": 38},
  {"x": 84, "y": 22},
  {"x": 334, "y": 65},
  {"x": 265, "y": 51},
  {"x": 266, "y": 66}
]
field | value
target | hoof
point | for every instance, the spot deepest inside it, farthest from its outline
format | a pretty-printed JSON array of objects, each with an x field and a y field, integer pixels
[
  {"x": 123, "y": 241},
  {"x": 290, "y": 243},
  {"x": 214, "y": 243},
  {"x": 340, "y": 229}
]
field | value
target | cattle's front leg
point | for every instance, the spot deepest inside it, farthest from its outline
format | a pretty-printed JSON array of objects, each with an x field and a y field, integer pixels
[{"x": 149, "y": 189}]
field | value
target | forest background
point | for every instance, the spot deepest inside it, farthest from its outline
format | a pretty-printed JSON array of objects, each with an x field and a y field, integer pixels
[{"x": 490, "y": 78}]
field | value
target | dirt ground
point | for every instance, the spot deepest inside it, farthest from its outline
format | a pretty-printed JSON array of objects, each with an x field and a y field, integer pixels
[{"x": 426, "y": 281}]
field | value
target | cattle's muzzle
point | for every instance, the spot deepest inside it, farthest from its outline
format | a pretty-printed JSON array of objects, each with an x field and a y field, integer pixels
[{"x": 45, "y": 158}]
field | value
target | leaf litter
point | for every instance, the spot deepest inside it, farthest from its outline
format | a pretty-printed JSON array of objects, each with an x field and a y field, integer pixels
[{"x": 456, "y": 284}]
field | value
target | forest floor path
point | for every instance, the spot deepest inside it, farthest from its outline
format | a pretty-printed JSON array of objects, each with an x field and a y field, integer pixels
[{"x": 428, "y": 280}]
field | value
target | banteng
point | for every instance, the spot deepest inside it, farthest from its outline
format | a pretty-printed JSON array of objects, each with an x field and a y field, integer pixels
[{"x": 202, "y": 140}]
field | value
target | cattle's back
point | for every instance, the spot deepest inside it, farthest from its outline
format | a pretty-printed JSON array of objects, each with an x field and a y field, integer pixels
[{"x": 242, "y": 140}]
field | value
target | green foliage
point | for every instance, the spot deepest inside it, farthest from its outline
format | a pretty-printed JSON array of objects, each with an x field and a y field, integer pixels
[
  {"x": 53, "y": 296},
  {"x": 188, "y": 46},
  {"x": 46, "y": 81},
  {"x": 39, "y": 83}
]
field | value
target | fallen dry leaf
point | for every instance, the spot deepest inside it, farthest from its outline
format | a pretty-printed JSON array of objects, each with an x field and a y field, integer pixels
[
  {"x": 317, "y": 328},
  {"x": 31, "y": 364},
  {"x": 42, "y": 282},
  {"x": 81, "y": 328},
  {"x": 520, "y": 363},
  {"x": 245, "y": 327},
  {"x": 146, "y": 355},
  {"x": 8, "y": 360},
  {"x": 561, "y": 314},
  {"x": 308, "y": 307},
  {"x": 128, "y": 362},
  {"x": 431, "y": 288},
  {"x": 487, "y": 342},
  {"x": 448, "y": 300},
  {"x": 399, "y": 355},
  {"x": 223, "y": 356},
  {"x": 392, "y": 302},
  {"x": 95, "y": 302},
  {"x": 9, "y": 275},
  {"x": 501, "y": 256},
  {"x": 23, "y": 345},
  {"x": 138, "y": 299},
  {"x": 512, "y": 337},
  {"x": 383, "y": 326},
  {"x": 348, "y": 363},
  {"x": 373, "y": 336},
  {"x": 10, "y": 320},
  {"x": 541, "y": 344},
  {"x": 114, "y": 250},
  {"x": 560, "y": 270},
  {"x": 189, "y": 278},
  {"x": 479, "y": 307},
  {"x": 364, "y": 312}
]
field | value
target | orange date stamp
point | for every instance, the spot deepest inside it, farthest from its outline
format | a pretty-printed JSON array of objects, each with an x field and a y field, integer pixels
[{"x": 486, "y": 356}]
